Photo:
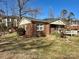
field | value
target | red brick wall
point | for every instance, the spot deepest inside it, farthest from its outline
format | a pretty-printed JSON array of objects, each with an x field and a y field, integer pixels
[
  {"x": 47, "y": 29},
  {"x": 29, "y": 30},
  {"x": 34, "y": 29}
]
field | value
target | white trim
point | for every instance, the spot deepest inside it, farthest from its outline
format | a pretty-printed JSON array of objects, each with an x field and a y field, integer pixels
[
  {"x": 24, "y": 21},
  {"x": 6, "y": 22},
  {"x": 40, "y": 27},
  {"x": 58, "y": 22}
]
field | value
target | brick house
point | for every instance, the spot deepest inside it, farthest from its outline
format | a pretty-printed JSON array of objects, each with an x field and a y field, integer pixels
[{"x": 35, "y": 27}]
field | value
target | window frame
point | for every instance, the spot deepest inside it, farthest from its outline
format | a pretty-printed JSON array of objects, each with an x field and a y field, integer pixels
[{"x": 40, "y": 27}]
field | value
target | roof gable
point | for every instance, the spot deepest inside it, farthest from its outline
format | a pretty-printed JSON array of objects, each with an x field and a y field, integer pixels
[
  {"x": 58, "y": 22},
  {"x": 24, "y": 21}
]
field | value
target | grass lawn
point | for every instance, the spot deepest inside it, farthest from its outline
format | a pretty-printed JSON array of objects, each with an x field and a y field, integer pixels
[
  {"x": 9, "y": 35},
  {"x": 52, "y": 47},
  {"x": 62, "y": 49}
]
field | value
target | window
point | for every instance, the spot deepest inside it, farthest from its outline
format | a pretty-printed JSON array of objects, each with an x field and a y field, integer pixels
[{"x": 40, "y": 27}]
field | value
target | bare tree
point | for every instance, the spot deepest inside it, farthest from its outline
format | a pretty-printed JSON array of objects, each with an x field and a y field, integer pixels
[
  {"x": 34, "y": 12},
  {"x": 13, "y": 11},
  {"x": 23, "y": 9},
  {"x": 21, "y": 4}
]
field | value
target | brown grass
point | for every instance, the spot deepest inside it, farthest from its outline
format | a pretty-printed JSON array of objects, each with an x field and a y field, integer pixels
[{"x": 61, "y": 48}]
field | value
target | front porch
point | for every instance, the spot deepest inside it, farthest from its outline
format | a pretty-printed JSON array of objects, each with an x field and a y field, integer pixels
[{"x": 57, "y": 26}]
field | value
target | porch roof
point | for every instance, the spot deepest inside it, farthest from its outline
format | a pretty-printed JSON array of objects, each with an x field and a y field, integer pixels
[{"x": 58, "y": 22}]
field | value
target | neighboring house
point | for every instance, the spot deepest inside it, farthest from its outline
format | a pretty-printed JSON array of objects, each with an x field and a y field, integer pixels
[
  {"x": 35, "y": 27},
  {"x": 72, "y": 27},
  {"x": 10, "y": 21}
]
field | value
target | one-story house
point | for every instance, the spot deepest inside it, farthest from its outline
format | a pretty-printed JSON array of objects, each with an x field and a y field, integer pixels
[
  {"x": 35, "y": 27},
  {"x": 44, "y": 27}
]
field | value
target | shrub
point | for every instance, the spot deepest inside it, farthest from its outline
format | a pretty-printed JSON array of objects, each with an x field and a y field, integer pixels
[{"x": 21, "y": 31}]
